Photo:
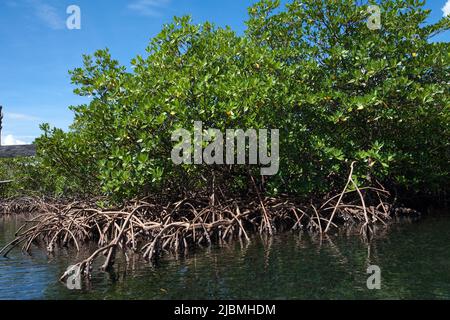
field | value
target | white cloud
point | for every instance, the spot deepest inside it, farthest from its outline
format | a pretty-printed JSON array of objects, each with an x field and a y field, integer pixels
[
  {"x": 10, "y": 140},
  {"x": 48, "y": 15},
  {"x": 148, "y": 7},
  {"x": 446, "y": 8},
  {"x": 20, "y": 116}
]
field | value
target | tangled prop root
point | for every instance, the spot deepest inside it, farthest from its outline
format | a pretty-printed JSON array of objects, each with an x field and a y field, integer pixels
[
  {"x": 22, "y": 205},
  {"x": 150, "y": 228}
]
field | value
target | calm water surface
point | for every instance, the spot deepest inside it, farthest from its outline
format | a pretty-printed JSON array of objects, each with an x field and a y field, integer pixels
[{"x": 414, "y": 258}]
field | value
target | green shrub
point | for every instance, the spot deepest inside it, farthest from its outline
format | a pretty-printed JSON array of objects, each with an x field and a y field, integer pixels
[{"x": 338, "y": 91}]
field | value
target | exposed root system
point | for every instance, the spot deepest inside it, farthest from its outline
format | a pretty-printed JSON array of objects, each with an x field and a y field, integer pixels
[
  {"x": 22, "y": 205},
  {"x": 150, "y": 228}
]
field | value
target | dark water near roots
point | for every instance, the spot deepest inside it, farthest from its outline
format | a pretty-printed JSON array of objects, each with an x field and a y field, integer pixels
[{"x": 414, "y": 258}]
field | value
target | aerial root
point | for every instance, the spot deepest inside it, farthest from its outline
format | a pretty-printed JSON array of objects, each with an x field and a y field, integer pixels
[{"x": 149, "y": 228}]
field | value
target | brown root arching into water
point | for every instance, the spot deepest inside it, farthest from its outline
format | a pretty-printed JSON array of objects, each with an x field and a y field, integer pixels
[
  {"x": 150, "y": 228},
  {"x": 23, "y": 205}
]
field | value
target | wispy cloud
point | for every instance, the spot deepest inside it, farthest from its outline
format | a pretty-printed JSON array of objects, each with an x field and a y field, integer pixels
[
  {"x": 148, "y": 7},
  {"x": 10, "y": 140},
  {"x": 446, "y": 8},
  {"x": 48, "y": 14},
  {"x": 20, "y": 117}
]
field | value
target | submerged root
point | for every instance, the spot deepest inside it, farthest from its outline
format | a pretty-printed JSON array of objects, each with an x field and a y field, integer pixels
[
  {"x": 22, "y": 205},
  {"x": 150, "y": 228}
]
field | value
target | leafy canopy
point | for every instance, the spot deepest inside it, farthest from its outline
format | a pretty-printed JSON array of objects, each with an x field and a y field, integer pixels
[{"x": 338, "y": 91}]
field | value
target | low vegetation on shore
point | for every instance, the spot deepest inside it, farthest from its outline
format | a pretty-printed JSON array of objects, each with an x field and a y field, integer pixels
[{"x": 363, "y": 116}]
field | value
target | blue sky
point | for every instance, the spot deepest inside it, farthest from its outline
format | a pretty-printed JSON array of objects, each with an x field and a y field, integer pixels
[{"x": 37, "y": 50}]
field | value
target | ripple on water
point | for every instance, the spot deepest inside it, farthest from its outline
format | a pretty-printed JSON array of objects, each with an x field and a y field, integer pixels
[{"x": 414, "y": 259}]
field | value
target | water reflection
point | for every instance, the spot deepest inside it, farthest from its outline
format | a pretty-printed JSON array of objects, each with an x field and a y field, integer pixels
[
  {"x": 22, "y": 276},
  {"x": 414, "y": 258}
]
